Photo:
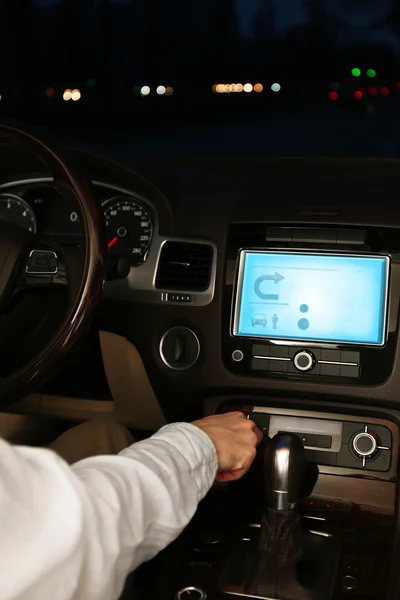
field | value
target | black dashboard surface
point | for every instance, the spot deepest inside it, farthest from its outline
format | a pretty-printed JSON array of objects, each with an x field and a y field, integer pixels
[{"x": 200, "y": 200}]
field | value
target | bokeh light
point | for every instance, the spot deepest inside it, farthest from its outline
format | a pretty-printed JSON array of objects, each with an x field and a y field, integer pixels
[
  {"x": 258, "y": 87},
  {"x": 145, "y": 90},
  {"x": 371, "y": 73},
  {"x": 50, "y": 92},
  {"x": 334, "y": 86},
  {"x": 67, "y": 95},
  {"x": 248, "y": 87},
  {"x": 161, "y": 90},
  {"x": 333, "y": 96},
  {"x": 373, "y": 91},
  {"x": 169, "y": 91},
  {"x": 385, "y": 91},
  {"x": 358, "y": 95},
  {"x": 76, "y": 95},
  {"x": 356, "y": 72},
  {"x": 276, "y": 87}
]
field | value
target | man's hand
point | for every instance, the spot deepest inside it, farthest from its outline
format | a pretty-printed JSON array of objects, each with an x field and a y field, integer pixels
[{"x": 235, "y": 438}]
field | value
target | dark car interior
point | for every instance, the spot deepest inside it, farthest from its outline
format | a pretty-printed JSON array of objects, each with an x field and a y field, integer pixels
[{"x": 151, "y": 272}]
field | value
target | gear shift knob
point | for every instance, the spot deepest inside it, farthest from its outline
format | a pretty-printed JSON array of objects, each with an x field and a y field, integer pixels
[{"x": 284, "y": 471}]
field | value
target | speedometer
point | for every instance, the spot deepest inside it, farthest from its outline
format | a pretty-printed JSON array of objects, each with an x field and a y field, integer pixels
[{"x": 129, "y": 228}]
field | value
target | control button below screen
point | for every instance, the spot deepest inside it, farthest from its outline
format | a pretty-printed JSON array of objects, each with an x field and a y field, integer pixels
[{"x": 304, "y": 360}]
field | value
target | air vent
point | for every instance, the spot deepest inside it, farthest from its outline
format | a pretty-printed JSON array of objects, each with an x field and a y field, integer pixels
[{"x": 184, "y": 266}]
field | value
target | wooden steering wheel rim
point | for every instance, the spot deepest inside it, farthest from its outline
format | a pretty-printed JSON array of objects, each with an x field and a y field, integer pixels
[{"x": 29, "y": 376}]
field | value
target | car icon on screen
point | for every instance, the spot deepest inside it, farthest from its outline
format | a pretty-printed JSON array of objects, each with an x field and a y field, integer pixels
[{"x": 259, "y": 319}]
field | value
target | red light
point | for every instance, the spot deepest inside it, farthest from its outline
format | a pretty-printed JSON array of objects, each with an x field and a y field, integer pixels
[
  {"x": 358, "y": 95},
  {"x": 333, "y": 96},
  {"x": 311, "y": 503},
  {"x": 112, "y": 242},
  {"x": 373, "y": 92},
  {"x": 385, "y": 91},
  {"x": 398, "y": 85},
  {"x": 327, "y": 505}
]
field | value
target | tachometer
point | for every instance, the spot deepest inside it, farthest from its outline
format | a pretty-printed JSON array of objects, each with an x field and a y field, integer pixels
[
  {"x": 13, "y": 209},
  {"x": 129, "y": 228}
]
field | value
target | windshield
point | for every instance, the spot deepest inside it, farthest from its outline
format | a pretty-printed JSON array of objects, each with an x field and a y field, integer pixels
[{"x": 209, "y": 77}]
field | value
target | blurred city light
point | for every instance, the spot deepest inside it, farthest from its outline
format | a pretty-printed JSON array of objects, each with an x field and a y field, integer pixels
[
  {"x": 67, "y": 95},
  {"x": 334, "y": 86},
  {"x": 50, "y": 92},
  {"x": 145, "y": 90},
  {"x": 239, "y": 87},
  {"x": 276, "y": 87},
  {"x": 76, "y": 95},
  {"x": 356, "y": 72},
  {"x": 258, "y": 87},
  {"x": 373, "y": 91},
  {"x": 358, "y": 95},
  {"x": 398, "y": 85},
  {"x": 371, "y": 73},
  {"x": 1, "y": 97},
  {"x": 385, "y": 91},
  {"x": 169, "y": 91},
  {"x": 248, "y": 87},
  {"x": 160, "y": 90},
  {"x": 333, "y": 96}
]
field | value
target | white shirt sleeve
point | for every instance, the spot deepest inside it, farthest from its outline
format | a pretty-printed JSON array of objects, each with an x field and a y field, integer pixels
[{"x": 75, "y": 533}]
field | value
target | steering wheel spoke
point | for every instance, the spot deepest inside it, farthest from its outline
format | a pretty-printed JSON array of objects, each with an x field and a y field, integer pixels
[{"x": 44, "y": 267}]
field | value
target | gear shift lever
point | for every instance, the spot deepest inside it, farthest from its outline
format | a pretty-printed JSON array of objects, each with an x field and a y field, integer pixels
[
  {"x": 291, "y": 563},
  {"x": 284, "y": 468}
]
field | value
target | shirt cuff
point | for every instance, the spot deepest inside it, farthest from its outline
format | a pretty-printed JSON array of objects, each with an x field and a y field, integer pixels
[{"x": 198, "y": 450}]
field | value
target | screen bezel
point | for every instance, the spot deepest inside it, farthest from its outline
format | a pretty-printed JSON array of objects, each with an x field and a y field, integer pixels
[{"x": 238, "y": 288}]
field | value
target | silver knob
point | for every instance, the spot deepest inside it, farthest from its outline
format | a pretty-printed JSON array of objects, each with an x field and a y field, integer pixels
[
  {"x": 304, "y": 360},
  {"x": 364, "y": 444}
]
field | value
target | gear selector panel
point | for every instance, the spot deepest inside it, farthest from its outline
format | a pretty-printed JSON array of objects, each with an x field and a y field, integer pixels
[{"x": 335, "y": 441}]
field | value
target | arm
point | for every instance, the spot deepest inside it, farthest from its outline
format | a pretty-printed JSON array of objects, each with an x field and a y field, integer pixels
[{"x": 75, "y": 533}]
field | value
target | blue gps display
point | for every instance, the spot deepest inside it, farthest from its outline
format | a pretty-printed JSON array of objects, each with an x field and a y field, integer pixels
[{"x": 317, "y": 297}]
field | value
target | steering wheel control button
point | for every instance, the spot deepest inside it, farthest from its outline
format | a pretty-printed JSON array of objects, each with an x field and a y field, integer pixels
[
  {"x": 237, "y": 356},
  {"x": 191, "y": 593},
  {"x": 364, "y": 445},
  {"x": 179, "y": 348},
  {"x": 42, "y": 262},
  {"x": 304, "y": 360}
]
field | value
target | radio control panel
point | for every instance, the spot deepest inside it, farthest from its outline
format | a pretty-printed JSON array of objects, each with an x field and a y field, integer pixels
[{"x": 319, "y": 362}]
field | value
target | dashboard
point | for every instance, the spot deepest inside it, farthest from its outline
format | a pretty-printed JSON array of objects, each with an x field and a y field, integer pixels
[
  {"x": 266, "y": 286},
  {"x": 38, "y": 206},
  {"x": 191, "y": 304}
]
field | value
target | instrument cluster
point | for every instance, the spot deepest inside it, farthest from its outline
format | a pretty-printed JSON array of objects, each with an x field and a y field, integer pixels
[{"x": 129, "y": 221}]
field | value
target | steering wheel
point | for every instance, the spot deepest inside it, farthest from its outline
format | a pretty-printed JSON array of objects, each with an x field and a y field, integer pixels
[{"x": 26, "y": 262}]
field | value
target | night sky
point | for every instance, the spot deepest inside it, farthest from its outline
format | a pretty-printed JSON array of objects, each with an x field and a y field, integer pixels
[{"x": 358, "y": 14}]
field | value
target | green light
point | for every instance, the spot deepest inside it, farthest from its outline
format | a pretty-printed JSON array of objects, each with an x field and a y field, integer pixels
[
  {"x": 371, "y": 72},
  {"x": 356, "y": 72}
]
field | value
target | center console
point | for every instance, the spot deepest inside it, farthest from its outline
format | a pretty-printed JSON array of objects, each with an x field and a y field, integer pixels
[
  {"x": 316, "y": 518},
  {"x": 318, "y": 515},
  {"x": 318, "y": 304}
]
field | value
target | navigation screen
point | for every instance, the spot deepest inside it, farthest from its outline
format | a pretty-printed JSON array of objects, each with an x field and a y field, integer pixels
[{"x": 312, "y": 297}]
